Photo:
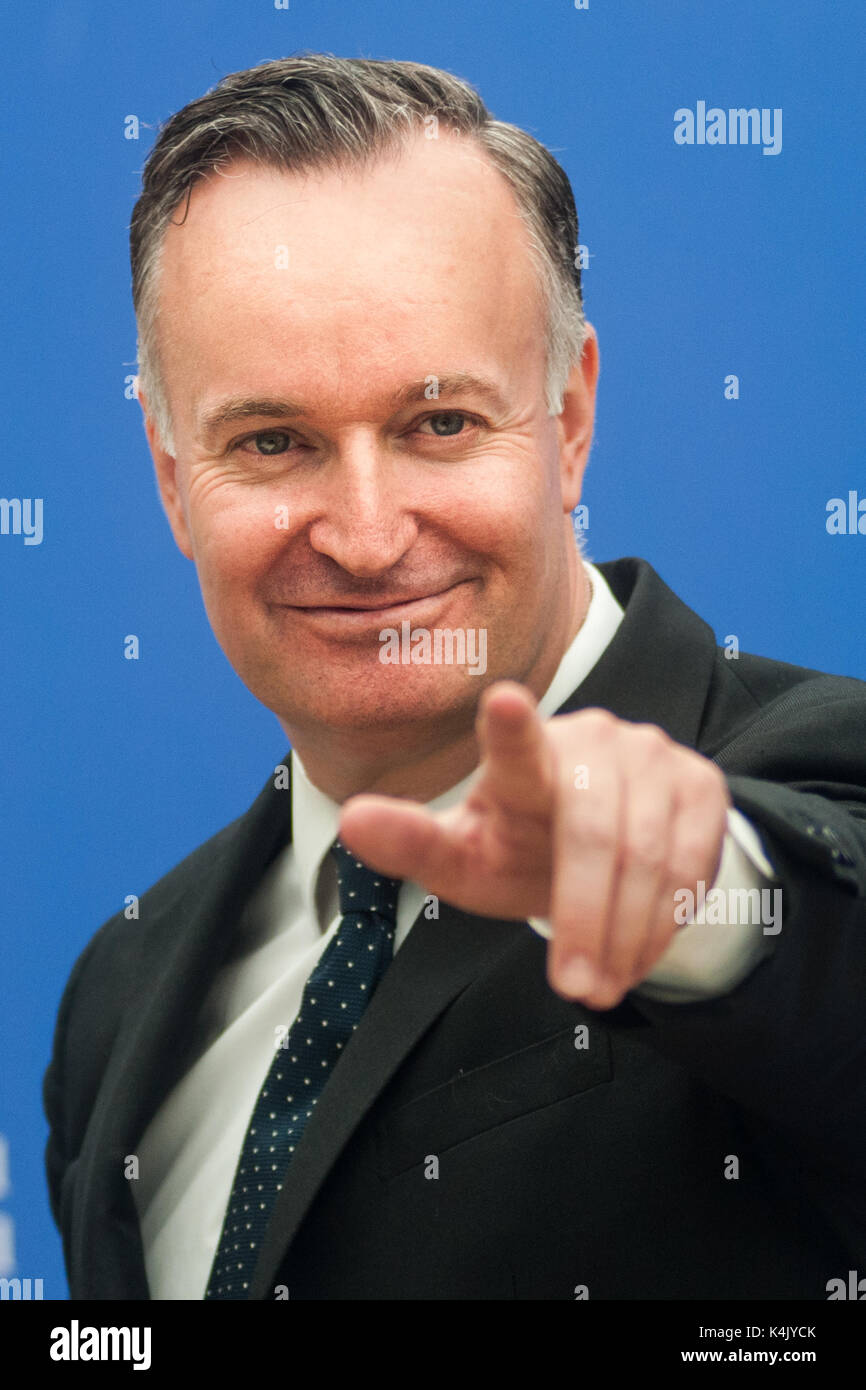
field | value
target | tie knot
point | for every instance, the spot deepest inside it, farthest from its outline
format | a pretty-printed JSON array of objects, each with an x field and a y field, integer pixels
[{"x": 361, "y": 888}]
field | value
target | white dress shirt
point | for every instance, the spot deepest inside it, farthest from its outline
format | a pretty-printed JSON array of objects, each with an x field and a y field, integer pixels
[{"x": 189, "y": 1152}]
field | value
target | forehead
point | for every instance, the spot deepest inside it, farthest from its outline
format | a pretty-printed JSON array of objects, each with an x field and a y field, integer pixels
[{"x": 416, "y": 249}]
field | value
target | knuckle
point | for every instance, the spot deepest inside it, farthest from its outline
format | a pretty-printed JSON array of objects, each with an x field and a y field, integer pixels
[
  {"x": 705, "y": 780},
  {"x": 598, "y": 722},
  {"x": 581, "y": 919},
  {"x": 594, "y": 835},
  {"x": 651, "y": 738},
  {"x": 643, "y": 850},
  {"x": 687, "y": 860}
]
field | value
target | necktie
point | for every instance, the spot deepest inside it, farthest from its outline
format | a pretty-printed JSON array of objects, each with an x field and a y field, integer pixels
[{"x": 335, "y": 996}]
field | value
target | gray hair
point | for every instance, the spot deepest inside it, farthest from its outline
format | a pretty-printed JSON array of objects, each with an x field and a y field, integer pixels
[{"x": 316, "y": 110}]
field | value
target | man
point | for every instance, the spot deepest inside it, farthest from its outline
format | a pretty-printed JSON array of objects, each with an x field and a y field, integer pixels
[{"x": 335, "y": 1057}]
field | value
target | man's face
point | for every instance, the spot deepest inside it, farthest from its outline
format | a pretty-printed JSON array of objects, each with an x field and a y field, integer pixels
[{"x": 355, "y": 502}]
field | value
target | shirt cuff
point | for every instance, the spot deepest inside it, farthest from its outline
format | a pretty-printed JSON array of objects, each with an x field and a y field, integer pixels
[{"x": 706, "y": 959}]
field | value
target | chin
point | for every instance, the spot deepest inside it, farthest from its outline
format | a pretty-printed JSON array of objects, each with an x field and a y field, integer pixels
[{"x": 356, "y": 704}]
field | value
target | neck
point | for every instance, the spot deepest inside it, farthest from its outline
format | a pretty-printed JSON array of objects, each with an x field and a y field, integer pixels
[
  {"x": 419, "y": 767},
  {"x": 423, "y": 761}
]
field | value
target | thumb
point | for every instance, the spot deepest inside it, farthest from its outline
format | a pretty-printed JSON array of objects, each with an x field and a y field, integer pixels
[{"x": 399, "y": 838}]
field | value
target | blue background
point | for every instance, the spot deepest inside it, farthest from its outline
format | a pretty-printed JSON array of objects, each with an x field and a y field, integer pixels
[{"x": 704, "y": 261}]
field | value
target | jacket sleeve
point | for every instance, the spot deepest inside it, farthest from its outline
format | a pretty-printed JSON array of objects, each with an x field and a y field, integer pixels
[
  {"x": 58, "y": 1148},
  {"x": 788, "y": 1043}
]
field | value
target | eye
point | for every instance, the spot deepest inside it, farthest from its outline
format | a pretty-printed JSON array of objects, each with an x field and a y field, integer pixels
[
  {"x": 268, "y": 441},
  {"x": 443, "y": 423}
]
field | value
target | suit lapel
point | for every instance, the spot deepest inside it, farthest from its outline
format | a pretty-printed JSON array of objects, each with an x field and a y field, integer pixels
[
  {"x": 658, "y": 668},
  {"x": 185, "y": 942}
]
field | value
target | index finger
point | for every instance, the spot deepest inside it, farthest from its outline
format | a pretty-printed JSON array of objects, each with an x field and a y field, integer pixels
[{"x": 518, "y": 763}]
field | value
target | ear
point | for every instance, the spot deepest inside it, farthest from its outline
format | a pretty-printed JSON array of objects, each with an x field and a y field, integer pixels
[
  {"x": 576, "y": 420},
  {"x": 167, "y": 482}
]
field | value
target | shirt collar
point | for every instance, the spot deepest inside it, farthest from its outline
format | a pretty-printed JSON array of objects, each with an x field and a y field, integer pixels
[{"x": 316, "y": 818}]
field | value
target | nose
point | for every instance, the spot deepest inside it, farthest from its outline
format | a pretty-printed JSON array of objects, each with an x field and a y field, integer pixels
[{"x": 362, "y": 520}]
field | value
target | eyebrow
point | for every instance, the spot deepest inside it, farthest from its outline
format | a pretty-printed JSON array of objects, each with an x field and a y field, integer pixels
[{"x": 235, "y": 408}]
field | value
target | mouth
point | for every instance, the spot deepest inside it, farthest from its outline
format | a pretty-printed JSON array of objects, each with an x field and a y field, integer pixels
[
  {"x": 382, "y": 606},
  {"x": 361, "y": 614}
]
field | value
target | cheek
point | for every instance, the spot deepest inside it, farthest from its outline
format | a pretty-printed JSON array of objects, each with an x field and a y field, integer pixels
[
  {"x": 508, "y": 515},
  {"x": 236, "y": 531}
]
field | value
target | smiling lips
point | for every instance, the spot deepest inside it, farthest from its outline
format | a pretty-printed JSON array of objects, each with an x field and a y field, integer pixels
[
  {"x": 360, "y": 615},
  {"x": 362, "y": 607},
  {"x": 359, "y": 606}
]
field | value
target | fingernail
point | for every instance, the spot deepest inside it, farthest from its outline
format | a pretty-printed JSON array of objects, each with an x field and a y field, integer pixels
[{"x": 577, "y": 976}]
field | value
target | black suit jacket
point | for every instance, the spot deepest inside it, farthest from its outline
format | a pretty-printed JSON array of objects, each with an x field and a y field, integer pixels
[{"x": 560, "y": 1169}]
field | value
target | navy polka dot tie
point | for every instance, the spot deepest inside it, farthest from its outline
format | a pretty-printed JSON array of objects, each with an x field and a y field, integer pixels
[{"x": 335, "y": 996}]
